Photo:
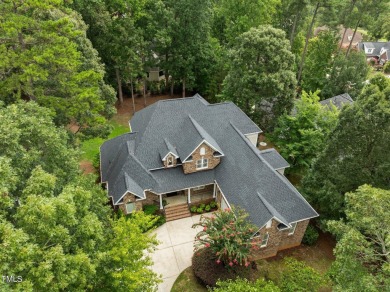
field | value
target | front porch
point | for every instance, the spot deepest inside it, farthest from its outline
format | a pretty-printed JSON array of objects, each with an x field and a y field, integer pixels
[{"x": 177, "y": 205}]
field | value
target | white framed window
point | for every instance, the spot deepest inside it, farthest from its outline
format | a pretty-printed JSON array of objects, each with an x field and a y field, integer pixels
[
  {"x": 130, "y": 207},
  {"x": 170, "y": 161},
  {"x": 202, "y": 163},
  {"x": 264, "y": 240},
  {"x": 269, "y": 224},
  {"x": 292, "y": 228},
  {"x": 202, "y": 151},
  {"x": 349, "y": 37}
]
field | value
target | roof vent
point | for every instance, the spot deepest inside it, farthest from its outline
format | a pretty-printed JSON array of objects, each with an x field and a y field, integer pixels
[{"x": 263, "y": 144}]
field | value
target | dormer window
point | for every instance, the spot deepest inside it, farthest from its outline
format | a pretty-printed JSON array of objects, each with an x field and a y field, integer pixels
[
  {"x": 170, "y": 161},
  {"x": 202, "y": 151},
  {"x": 202, "y": 163}
]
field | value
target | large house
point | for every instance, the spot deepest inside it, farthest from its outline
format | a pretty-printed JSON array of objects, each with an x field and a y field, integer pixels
[
  {"x": 186, "y": 151},
  {"x": 339, "y": 101},
  {"x": 379, "y": 51}
]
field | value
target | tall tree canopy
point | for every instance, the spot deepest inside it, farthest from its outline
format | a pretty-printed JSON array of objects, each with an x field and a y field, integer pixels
[
  {"x": 347, "y": 75},
  {"x": 56, "y": 231},
  {"x": 363, "y": 249},
  {"x": 46, "y": 57},
  {"x": 232, "y": 18},
  {"x": 319, "y": 60},
  {"x": 355, "y": 154},
  {"x": 302, "y": 135},
  {"x": 260, "y": 79}
]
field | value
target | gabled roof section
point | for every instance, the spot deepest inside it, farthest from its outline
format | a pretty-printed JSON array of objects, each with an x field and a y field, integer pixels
[
  {"x": 202, "y": 137},
  {"x": 338, "y": 101},
  {"x": 274, "y": 158},
  {"x": 168, "y": 149},
  {"x": 272, "y": 210}
]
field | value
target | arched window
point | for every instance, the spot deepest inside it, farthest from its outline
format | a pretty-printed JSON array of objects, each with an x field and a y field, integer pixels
[
  {"x": 170, "y": 161},
  {"x": 202, "y": 151}
]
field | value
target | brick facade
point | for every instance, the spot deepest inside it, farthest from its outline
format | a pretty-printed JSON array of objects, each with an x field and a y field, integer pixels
[
  {"x": 151, "y": 198},
  {"x": 174, "y": 161},
  {"x": 279, "y": 239},
  {"x": 190, "y": 167}
]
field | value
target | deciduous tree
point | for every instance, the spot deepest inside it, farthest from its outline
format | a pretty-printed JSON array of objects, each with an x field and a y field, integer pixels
[
  {"x": 261, "y": 80},
  {"x": 302, "y": 135},
  {"x": 354, "y": 154},
  {"x": 363, "y": 247}
]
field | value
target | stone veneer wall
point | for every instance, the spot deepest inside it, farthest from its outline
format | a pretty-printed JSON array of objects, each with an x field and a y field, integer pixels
[
  {"x": 279, "y": 240},
  {"x": 151, "y": 198},
  {"x": 166, "y": 161},
  {"x": 189, "y": 167}
]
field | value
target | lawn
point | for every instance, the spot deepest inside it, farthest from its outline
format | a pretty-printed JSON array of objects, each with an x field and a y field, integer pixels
[{"x": 90, "y": 148}]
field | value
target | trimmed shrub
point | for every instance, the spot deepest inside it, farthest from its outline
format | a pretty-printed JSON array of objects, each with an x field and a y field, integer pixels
[
  {"x": 208, "y": 271},
  {"x": 150, "y": 209},
  {"x": 199, "y": 210},
  {"x": 213, "y": 204},
  {"x": 193, "y": 209},
  {"x": 207, "y": 208},
  {"x": 311, "y": 235}
]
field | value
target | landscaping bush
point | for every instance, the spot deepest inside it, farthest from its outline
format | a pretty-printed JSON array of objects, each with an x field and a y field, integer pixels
[
  {"x": 229, "y": 235},
  {"x": 194, "y": 209},
  {"x": 386, "y": 68},
  {"x": 207, "y": 208},
  {"x": 206, "y": 269},
  {"x": 213, "y": 204},
  {"x": 150, "y": 209},
  {"x": 153, "y": 210},
  {"x": 199, "y": 210},
  {"x": 311, "y": 235},
  {"x": 299, "y": 277}
]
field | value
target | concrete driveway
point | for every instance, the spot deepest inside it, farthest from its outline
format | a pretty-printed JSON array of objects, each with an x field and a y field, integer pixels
[{"x": 174, "y": 253}]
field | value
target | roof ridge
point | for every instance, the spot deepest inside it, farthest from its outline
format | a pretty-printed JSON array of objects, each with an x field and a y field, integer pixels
[{"x": 272, "y": 210}]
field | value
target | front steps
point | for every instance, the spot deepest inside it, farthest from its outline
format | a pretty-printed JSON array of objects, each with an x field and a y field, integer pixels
[{"x": 177, "y": 212}]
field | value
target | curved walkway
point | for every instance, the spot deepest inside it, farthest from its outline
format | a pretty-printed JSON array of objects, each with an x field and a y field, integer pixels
[{"x": 174, "y": 253}]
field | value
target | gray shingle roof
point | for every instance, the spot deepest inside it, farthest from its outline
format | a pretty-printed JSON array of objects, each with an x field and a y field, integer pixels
[
  {"x": 274, "y": 158},
  {"x": 242, "y": 174},
  {"x": 339, "y": 100},
  {"x": 167, "y": 149},
  {"x": 377, "y": 46}
]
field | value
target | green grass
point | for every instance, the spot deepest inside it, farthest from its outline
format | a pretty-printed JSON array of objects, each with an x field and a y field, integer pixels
[
  {"x": 90, "y": 148},
  {"x": 188, "y": 282}
]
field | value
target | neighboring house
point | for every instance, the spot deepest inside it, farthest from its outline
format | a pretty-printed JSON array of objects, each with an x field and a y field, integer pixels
[
  {"x": 155, "y": 74},
  {"x": 339, "y": 100},
  {"x": 376, "y": 50},
  {"x": 186, "y": 151},
  {"x": 347, "y": 36}
]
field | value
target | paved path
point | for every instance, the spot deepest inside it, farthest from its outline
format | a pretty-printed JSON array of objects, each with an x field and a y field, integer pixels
[{"x": 174, "y": 253}]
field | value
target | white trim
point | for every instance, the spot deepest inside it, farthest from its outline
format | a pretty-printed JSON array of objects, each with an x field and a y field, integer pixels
[
  {"x": 269, "y": 224},
  {"x": 161, "y": 168},
  {"x": 214, "y": 191},
  {"x": 203, "y": 141},
  {"x": 293, "y": 228},
  {"x": 165, "y": 157},
  {"x": 202, "y": 162},
  {"x": 127, "y": 191},
  {"x": 161, "y": 203},
  {"x": 262, "y": 239},
  {"x": 223, "y": 196},
  {"x": 182, "y": 189},
  {"x": 189, "y": 195},
  {"x": 254, "y": 133}
]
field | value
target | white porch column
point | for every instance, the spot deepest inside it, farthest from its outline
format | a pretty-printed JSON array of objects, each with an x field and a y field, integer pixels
[
  {"x": 161, "y": 204},
  {"x": 189, "y": 196},
  {"x": 214, "y": 190}
]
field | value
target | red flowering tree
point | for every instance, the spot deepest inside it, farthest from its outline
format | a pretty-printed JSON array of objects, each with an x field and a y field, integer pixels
[{"x": 229, "y": 235}]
